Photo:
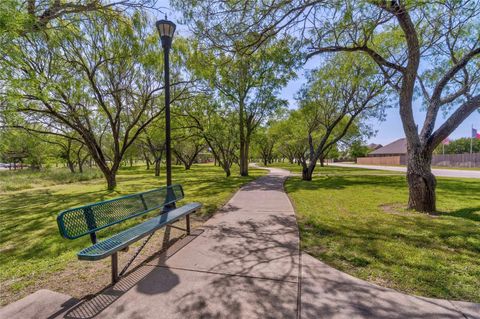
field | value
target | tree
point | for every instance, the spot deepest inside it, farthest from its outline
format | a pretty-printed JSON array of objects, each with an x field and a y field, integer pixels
[
  {"x": 332, "y": 104},
  {"x": 67, "y": 152},
  {"x": 429, "y": 47},
  {"x": 187, "y": 148},
  {"x": 99, "y": 79},
  {"x": 264, "y": 142},
  {"x": 216, "y": 124},
  {"x": 448, "y": 53},
  {"x": 290, "y": 137},
  {"x": 248, "y": 84},
  {"x": 357, "y": 149},
  {"x": 153, "y": 140}
]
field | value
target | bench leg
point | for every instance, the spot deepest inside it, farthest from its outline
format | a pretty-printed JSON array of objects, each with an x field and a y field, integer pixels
[
  {"x": 187, "y": 219},
  {"x": 114, "y": 268}
]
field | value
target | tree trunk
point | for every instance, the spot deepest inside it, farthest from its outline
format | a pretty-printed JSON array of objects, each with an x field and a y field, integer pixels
[
  {"x": 307, "y": 170},
  {"x": 243, "y": 147},
  {"x": 71, "y": 166},
  {"x": 322, "y": 161},
  {"x": 80, "y": 162},
  {"x": 111, "y": 178},
  {"x": 421, "y": 181},
  {"x": 244, "y": 158},
  {"x": 227, "y": 171},
  {"x": 157, "y": 167}
]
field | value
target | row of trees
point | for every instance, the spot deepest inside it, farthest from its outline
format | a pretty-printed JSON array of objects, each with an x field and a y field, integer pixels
[
  {"x": 21, "y": 148},
  {"x": 89, "y": 83}
]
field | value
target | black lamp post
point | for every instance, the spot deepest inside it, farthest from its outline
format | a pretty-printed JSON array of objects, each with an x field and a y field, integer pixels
[{"x": 166, "y": 29}]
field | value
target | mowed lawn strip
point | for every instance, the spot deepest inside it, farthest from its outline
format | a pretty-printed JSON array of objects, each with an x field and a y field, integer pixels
[
  {"x": 32, "y": 248},
  {"x": 356, "y": 221}
]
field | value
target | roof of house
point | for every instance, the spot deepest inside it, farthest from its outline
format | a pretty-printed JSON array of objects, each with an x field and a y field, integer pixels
[{"x": 397, "y": 147}]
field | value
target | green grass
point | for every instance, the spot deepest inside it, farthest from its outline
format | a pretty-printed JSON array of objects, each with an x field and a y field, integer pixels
[
  {"x": 26, "y": 178},
  {"x": 358, "y": 223},
  {"x": 334, "y": 170},
  {"x": 30, "y": 245},
  {"x": 294, "y": 168}
]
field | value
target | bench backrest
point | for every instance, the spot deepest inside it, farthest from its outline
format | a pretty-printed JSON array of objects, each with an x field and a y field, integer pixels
[{"x": 80, "y": 221}]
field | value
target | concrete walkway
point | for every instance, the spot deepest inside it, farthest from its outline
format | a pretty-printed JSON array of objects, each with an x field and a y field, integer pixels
[
  {"x": 245, "y": 262},
  {"x": 436, "y": 171}
]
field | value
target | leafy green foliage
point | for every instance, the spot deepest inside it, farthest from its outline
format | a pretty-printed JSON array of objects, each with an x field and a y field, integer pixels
[
  {"x": 17, "y": 146},
  {"x": 459, "y": 146},
  {"x": 248, "y": 85},
  {"x": 357, "y": 149},
  {"x": 97, "y": 77},
  {"x": 333, "y": 108}
]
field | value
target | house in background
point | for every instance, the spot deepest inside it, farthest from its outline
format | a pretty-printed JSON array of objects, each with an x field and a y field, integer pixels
[
  {"x": 395, "y": 153},
  {"x": 397, "y": 148},
  {"x": 390, "y": 154}
]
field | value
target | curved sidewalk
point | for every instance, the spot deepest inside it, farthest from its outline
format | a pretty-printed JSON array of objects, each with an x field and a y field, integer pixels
[{"x": 245, "y": 262}]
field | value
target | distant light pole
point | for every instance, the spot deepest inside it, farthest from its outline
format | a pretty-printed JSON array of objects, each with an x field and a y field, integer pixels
[{"x": 166, "y": 29}]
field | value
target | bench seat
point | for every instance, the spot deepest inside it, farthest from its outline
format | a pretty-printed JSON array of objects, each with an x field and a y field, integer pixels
[{"x": 111, "y": 245}]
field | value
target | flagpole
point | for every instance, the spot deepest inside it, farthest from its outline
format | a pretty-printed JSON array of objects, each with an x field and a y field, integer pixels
[{"x": 471, "y": 140}]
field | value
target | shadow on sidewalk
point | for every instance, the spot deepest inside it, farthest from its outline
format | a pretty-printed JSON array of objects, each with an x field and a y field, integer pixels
[
  {"x": 266, "y": 183},
  {"x": 259, "y": 272},
  {"x": 92, "y": 305}
]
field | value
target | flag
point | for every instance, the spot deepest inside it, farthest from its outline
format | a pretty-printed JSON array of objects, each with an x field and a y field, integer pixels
[
  {"x": 475, "y": 133},
  {"x": 446, "y": 141}
]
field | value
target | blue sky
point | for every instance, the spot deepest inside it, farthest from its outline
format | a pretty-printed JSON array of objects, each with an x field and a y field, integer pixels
[{"x": 387, "y": 131}]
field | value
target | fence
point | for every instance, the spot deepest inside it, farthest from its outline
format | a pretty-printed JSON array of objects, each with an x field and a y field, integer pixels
[
  {"x": 447, "y": 160},
  {"x": 383, "y": 160},
  {"x": 457, "y": 160}
]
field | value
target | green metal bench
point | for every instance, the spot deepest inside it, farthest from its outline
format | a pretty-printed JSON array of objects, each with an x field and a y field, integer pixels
[{"x": 89, "y": 219}]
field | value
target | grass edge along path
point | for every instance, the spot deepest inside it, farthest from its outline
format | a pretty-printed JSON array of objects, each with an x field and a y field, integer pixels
[
  {"x": 356, "y": 222},
  {"x": 34, "y": 256}
]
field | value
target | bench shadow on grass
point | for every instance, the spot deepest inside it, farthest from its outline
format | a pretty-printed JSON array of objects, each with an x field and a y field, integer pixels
[{"x": 93, "y": 305}]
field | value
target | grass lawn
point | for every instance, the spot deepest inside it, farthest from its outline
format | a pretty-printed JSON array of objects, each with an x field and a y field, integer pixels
[
  {"x": 356, "y": 221},
  {"x": 32, "y": 253},
  {"x": 334, "y": 170},
  {"x": 11, "y": 180}
]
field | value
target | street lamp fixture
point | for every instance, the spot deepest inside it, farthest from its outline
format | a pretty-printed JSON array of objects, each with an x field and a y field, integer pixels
[{"x": 166, "y": 29}]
